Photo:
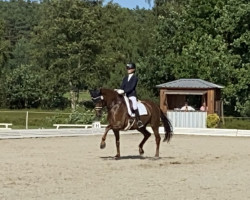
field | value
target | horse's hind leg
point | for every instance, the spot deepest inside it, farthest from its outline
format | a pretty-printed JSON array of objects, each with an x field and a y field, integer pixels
[
  {"x": 157, "y": 140},
  {"x": 146, "y": 134},
  {"x": 103, "y": 143}
]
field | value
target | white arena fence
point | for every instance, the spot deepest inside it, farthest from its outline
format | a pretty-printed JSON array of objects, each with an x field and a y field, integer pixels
[
  {"x": 33, "y": 119},
  {"x": 72, "y": 132},
  {"x": 28, "y": 128},
  {"x": 209, "y": 131}
]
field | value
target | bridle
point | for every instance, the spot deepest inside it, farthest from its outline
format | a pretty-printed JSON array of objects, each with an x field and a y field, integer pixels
[
  {"x": 96, "y": 100},
  {"x": 98, "y": 108},
  {"x": 99, "y": 101}
]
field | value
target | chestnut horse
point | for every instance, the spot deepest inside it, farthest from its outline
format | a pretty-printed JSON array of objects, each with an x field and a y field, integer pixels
[{"x": 118, "y": 118}]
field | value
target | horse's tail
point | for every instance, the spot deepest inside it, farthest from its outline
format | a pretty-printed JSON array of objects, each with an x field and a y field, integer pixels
[{"x": 167, "y": 127}]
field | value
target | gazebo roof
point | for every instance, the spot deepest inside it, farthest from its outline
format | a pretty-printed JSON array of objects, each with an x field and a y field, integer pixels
[{"x": 189, "y": 83}]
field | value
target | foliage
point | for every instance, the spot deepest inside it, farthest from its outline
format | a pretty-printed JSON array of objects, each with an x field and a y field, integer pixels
[
  {"x": 68, "y": 38},
  {"x": 78, "y": 116},
  {"x": 4, "y": 44},
  {"x": 81, "y": 117},
  {"x": 23, "y": 89},
  {"x": 246, "y": 109},
  {"x": 57, "y": 119},
  {"x": 85, "y": 116},
  {"x": 212, "y": 120},
  {"x": 236, "y": 123},
  {"x": 197, "y": 39}
]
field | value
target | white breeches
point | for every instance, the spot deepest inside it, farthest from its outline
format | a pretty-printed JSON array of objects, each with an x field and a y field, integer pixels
[{"x": 134, "y": 102}]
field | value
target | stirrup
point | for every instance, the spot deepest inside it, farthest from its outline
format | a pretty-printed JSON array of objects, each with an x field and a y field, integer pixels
[{"x": 140, "y": 124}]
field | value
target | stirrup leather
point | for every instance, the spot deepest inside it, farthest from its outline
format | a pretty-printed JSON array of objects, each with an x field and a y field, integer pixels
[{"x": 130, "y": 124}]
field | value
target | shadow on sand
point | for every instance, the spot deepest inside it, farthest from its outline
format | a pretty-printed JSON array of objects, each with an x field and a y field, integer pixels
[{"x": 135, "y": 157}]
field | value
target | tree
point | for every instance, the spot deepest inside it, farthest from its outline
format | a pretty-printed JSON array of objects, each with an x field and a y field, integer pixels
[
  {"x": 20, "y": 17},
  {"x": 233, "y": 25},
  {"x": 198, "y": 40},
  {"x": 4, "y": 47},
  {"x": 129, "y": 41},
  {"x": 68, "y": 41},
  {"x": 23, "y": 88},
  {"x": 157, "y": 68}
]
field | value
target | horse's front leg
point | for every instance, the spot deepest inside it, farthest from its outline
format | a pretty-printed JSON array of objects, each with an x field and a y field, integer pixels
[
  {"x": 103, "y": 143},
  {"x": 117, "y": 142}
]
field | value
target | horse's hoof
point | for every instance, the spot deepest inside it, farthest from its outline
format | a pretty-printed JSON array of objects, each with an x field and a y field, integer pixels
[
  {"x": 117, "y": 156},
  {"x": 102, "y": 145},
  {"x": 141, "y": 152}
]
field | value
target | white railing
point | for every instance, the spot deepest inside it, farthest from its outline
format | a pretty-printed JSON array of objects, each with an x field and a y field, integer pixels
[{"x": 189, "y": 119}]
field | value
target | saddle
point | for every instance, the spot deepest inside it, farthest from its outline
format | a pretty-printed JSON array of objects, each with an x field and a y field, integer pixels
[{"x": 141, "y": 109}]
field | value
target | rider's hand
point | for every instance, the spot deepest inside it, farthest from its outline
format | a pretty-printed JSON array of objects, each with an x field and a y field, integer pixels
[{"x": 119, "y": 91}]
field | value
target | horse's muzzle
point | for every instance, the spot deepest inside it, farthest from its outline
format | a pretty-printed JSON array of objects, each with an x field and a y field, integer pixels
[{"x": 98, "y": 111}]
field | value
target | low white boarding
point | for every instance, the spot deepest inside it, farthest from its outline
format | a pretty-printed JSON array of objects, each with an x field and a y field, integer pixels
[
  {"x": 6, "y": 125},
  {"x": 86, "y": 126},
  {"x": 73, "y": 125}
]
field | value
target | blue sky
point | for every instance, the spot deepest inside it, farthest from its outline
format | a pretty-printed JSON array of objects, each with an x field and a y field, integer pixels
[{"x": 132, "y": 3}]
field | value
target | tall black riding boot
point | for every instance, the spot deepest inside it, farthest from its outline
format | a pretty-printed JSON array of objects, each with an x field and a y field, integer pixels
[{"x": 137, "y": 116}]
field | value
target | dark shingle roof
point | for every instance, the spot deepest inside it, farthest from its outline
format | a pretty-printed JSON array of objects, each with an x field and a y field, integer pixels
[{"x": 189, "y": 83}]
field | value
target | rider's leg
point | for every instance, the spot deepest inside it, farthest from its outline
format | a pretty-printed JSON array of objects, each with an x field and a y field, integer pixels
[{"x": 137, "y": 115}]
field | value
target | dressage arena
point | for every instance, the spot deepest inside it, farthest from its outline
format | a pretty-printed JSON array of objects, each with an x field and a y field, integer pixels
[{"x": 75, "y": 168}]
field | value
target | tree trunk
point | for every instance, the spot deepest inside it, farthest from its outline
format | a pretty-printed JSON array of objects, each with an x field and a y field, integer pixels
[{"x": 72, "y": 96}]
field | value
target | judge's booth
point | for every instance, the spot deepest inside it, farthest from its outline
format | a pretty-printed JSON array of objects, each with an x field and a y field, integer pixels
[{"x": 194, "y": 92}]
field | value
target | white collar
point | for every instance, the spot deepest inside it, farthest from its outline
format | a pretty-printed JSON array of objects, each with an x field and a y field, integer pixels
[{"x": 129, "y": 76}]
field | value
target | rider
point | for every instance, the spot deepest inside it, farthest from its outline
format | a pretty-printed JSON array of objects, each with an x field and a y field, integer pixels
[{"x": 128, "y": 87}]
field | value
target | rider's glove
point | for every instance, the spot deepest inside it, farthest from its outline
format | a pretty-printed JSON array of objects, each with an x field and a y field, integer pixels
[{"x": 119, "y": 91}]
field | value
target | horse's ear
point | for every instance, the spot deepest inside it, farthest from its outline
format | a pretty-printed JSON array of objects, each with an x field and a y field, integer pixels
[
  {"x": 94, "y": 93},
  {"x": 99, "y": 91}
]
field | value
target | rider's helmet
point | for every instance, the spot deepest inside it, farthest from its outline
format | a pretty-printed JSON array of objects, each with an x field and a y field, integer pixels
[{"x": 130, "y": 66}]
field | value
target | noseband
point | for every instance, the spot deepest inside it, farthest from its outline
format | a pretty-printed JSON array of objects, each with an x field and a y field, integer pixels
[
  {"x": 97, "y": 100},
  {"x": 98, "y": 108}
]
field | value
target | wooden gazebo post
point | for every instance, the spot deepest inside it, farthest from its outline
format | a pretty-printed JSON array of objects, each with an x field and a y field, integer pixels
[{"x": 210, "y": 101}]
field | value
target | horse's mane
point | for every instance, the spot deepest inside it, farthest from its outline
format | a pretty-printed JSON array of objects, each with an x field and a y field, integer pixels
[
  {"x": 108, "y": 92},
  {"x": 111, "y": 94}
]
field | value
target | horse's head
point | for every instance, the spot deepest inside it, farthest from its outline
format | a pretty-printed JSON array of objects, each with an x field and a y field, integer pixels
[
  {"x": 103, "y": 98},
  {"x": 97, "y": 99}
]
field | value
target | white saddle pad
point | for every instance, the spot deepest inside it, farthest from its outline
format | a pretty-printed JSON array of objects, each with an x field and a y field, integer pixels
[{"x": 141, "y": 108}]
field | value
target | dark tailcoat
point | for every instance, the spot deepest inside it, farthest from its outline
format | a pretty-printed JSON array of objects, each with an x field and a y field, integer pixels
[{"x": 129, "y": 87}]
